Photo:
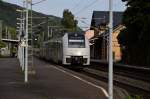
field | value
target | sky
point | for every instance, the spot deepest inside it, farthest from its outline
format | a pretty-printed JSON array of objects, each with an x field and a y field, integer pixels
[{"x": 82, "y": 9}]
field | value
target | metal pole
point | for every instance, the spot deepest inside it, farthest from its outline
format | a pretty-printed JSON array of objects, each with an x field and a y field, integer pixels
[
  {"x": 22, "y": 58},
  {"x": 48, "y": 30},
  {"x": 19, "y": 54},
  {"x": 51, "y": 33},
  {"x": 23, "y": 30},
  {"x": 21, "y": 22},
  {"x": 19, "y": 47},
  {"x": 6, "y": 31},
  {"x": 26, "y": 52},
  {"x": 110, "y": 50},
  {"x": 31, "y": 33}
]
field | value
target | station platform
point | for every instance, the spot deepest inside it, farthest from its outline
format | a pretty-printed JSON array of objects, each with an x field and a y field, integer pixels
[{"x": 47, "y": 83}]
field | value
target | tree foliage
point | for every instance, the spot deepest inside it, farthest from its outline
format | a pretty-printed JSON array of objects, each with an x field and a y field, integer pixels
[
  {"x": 135, "y": 38},
  {"x": 69, "y": 21},
  {"x": 2, "y": 44},
  {"x": 12, "y": 32}
]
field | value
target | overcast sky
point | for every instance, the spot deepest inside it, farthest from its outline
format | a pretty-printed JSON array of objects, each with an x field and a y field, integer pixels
[{"x": 80, "y": 8}]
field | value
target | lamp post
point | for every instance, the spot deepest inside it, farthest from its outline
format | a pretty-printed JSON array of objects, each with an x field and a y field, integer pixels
[
  {"x": 26, "y": 47},
  {"x": 27, "y": 2},
  {"x": 110, "y": 50},
  {"x": 21, "y": 55},
  {"x": 19, "y": 47},
  {"x": 31, "y": 32}
]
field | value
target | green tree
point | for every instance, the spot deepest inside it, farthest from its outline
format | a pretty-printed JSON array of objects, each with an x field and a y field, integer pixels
[
  {"x": 12, "y": 32},
  {"x": 134, "y": 97},
  {"x": 69, "y": 21},
  {"x": 2, "y": 44},
  {"x": 135, "y": 38}
]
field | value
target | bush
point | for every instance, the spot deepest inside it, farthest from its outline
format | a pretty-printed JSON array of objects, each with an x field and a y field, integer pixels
[
  {"x": 2, "y": 44},
  {"x": 134, "y": 97}
]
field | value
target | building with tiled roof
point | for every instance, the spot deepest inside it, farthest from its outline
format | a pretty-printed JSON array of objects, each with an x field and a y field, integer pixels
[{"x": 99, "y": 42}]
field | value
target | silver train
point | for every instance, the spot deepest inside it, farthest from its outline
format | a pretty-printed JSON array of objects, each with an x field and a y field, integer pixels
[{"x": 72, "y": 48}]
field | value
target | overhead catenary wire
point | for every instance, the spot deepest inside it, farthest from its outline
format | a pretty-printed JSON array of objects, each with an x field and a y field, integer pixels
[
  {"x": 37, "y": 2},
  {"x": 91, "y": 11},
  {"x": 88, "y": 25},
  {"x": 85, "y": 7},
  {"x": 77, "y": 5}
]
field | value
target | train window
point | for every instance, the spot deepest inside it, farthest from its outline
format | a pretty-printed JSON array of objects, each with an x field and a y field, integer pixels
[{"x": 76, "y": 41}]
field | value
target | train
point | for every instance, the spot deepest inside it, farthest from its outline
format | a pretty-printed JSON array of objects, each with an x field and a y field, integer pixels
[{"x": 70, "y": 49}]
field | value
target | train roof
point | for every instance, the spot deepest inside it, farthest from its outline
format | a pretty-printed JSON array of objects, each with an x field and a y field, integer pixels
[
  {"x": 54, "y": 40},
  {"x": 82, "y": 33},
  {"x": 59, "y": 39}
]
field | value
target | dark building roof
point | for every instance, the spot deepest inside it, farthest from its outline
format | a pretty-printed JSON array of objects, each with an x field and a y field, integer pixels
[{"x": 101, "y": 17}]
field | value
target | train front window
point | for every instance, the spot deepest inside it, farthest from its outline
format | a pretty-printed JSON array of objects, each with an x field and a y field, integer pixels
[{"x": 76, "y": 41}]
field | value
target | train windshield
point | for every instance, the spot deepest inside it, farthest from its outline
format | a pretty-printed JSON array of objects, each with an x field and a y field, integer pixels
[{"x": 76, "y": 41}]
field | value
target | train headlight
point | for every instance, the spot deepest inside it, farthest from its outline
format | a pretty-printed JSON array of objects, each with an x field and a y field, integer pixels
[{"x": 79, "y": 53}]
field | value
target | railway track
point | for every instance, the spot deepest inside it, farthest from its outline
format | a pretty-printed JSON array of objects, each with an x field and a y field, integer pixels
[
  {"x": 127, "y": 71},
  {"x": 130, "y": 81},
  {"x": 133, "y": 87}
]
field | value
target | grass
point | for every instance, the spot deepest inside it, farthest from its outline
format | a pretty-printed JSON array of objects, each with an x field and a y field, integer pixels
[{"x": 135, "y": 97}]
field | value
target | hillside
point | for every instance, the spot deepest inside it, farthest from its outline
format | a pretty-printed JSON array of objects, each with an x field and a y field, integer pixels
[{"x": 8, "y": 15}]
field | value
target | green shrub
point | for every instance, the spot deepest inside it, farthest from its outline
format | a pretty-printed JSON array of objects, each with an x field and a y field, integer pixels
[{"x": 134, "y": 97}]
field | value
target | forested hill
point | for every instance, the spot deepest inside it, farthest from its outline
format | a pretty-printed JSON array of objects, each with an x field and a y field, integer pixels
[{"x": 8, "y": 15}]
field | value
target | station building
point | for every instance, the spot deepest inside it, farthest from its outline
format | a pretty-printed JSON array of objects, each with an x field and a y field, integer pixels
[{"x": 98, "y": 35}]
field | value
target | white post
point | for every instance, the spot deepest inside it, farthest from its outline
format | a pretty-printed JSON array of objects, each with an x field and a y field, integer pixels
[
  {"x": 110, "y": 50},
  {"x": 26, "y": 38},
  {"x": 32, "y": 32},
  {"x": 48, "y": 30},
  {"x": 19, "y": 54},
  {"x": 23, "y": 30},
  {"x": 22, "y": 59},
  {"x": 21, "y": 39},
  {"x": 6, "y": 31}
]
